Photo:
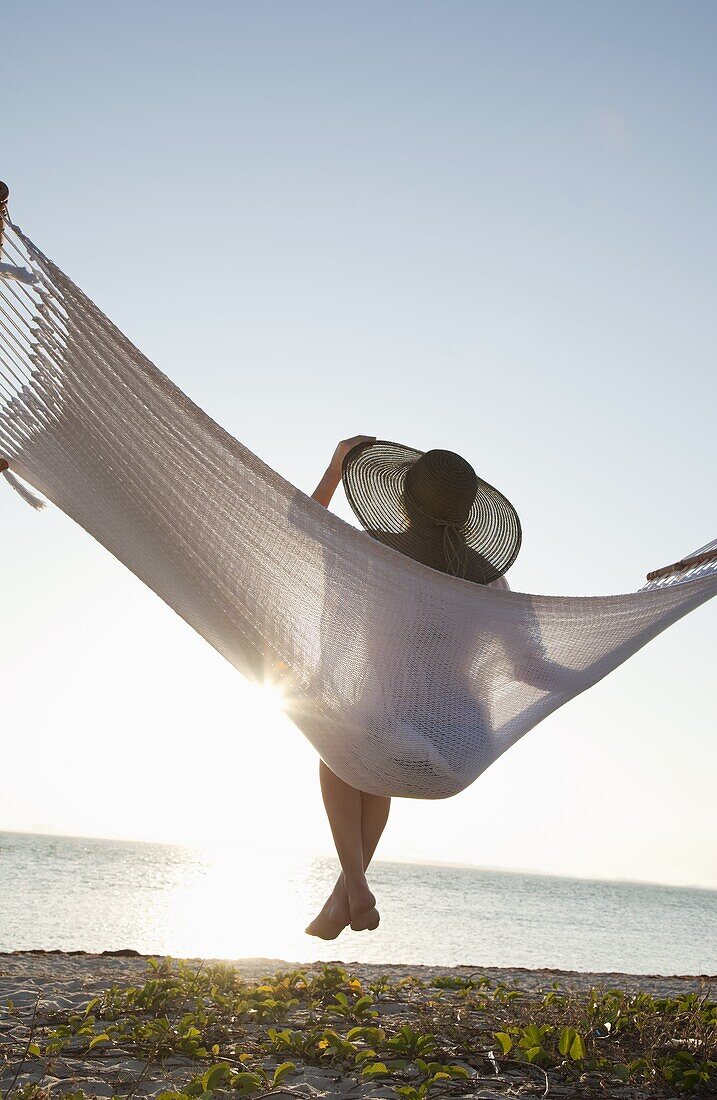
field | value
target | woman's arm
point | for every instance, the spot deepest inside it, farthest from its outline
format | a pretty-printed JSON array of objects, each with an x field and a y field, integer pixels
[{"x": 326, "y": 488}]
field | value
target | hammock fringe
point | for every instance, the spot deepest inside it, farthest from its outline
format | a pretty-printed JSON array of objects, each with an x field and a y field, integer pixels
[
  {"x": 24, "y": 492},
  {"x": 19, "y": 274}
]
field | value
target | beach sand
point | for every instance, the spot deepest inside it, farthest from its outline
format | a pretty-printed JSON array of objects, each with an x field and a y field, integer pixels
[{"x": 50, "y": 986}]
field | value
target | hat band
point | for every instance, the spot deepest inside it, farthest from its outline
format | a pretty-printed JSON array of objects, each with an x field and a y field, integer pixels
[{"x": 455, "y": 550}]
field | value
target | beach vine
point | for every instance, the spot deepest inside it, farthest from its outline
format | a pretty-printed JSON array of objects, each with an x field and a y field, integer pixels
[{"x": 205, "y": 1033}]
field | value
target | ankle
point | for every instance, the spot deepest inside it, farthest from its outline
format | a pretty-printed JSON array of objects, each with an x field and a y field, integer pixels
[{"x": 358, "y": 888}]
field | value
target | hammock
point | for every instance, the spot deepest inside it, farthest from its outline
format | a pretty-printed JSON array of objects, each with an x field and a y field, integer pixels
[{"x": 407, "y": 681}]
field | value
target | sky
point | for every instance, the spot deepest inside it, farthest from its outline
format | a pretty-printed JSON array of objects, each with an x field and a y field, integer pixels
[{"x": 482, "y": 226}]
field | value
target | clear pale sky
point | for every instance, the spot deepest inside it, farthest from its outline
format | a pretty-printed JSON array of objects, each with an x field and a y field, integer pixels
[{"x": 482, "y": 226}]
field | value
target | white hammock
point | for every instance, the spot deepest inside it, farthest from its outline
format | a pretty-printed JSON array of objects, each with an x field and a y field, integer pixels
[{"x": 408, "y": 682}]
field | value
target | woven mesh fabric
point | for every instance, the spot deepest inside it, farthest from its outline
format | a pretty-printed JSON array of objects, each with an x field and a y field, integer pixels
[{"x": 407, "y": 681}]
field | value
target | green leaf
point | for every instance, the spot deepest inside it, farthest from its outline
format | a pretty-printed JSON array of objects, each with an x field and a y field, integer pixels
[
  {"x": 34, "y": 1051},
  {"x": 532, "y": 1036},
  {"x": 283, "y": 1071},
  {"x": 566, "y": 1040},
  {"x": 577, "y": 1048},
  {"x": 246, "y": 1083},
  {"x": 505, "y": 1041},
  {"x": 368, "y": 1034},
  {"x": 215, "y": 1076},
  {"x": 103, "y": 1038},
  {"x": 366, "y": 1055},
  {"x": 376, "y": 1069}
]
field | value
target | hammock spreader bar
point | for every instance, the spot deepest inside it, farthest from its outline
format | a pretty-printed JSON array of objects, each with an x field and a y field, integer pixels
[
  {"x": 682, "y": 566},
  {"x": 407, "y": 681}
]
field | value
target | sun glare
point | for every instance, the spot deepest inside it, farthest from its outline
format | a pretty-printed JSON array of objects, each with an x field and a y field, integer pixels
[
  {"x": 272, "y": 696},
  {"x": 241, "y": 902},
  {"x": 262, "y": 702}
]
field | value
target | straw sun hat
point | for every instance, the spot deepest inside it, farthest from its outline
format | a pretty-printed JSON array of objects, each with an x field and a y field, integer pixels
[{"x": 433, "y": 507}]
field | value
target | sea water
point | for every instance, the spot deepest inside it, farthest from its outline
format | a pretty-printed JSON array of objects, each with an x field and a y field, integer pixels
[{"x": 96, "y": 895}]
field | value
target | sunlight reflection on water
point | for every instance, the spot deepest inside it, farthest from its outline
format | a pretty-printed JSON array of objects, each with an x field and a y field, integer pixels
[{"x": 228, "y": 902}]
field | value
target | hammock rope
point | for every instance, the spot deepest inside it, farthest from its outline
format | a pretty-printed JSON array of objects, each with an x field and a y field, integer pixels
[{"x": 407, "y": 681}]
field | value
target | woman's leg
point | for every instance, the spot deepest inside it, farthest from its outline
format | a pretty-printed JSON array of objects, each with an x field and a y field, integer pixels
[
  {"x": 343, "y": 809},
  {"x": 357, "y": 821},
  {"x": 336, "y": 912},
  {"x": 374, "y": 815}
]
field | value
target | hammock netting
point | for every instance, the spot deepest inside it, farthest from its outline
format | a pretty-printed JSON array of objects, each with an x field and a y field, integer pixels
[{"x": 407, "y": 681}]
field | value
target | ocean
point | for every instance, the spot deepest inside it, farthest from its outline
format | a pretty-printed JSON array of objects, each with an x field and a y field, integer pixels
[{"x": 96, "y": 895}]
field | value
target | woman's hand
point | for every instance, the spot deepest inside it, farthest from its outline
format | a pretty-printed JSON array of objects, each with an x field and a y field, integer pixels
[
  {"x": 327, "y": 486},
  {"x": 346, "y": 445}
]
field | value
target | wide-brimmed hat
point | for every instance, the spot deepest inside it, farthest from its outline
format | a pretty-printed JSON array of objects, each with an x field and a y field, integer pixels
[{"x": 433, "y": 507}]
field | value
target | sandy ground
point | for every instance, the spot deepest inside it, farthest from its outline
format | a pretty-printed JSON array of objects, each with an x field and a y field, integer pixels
[
  {"x": 59, "y": 982},
  {"x": 76, "y": 974}
]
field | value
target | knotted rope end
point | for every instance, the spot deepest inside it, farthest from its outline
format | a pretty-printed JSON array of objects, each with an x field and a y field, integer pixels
[
  {"x": 27, "y": 496},
  {"x": 18, "y": 274}
]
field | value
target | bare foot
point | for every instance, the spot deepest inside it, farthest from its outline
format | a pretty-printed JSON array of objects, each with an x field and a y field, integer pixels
[
  {"x": 334, "y": 917},
  {"x": 362, "y": 908}
]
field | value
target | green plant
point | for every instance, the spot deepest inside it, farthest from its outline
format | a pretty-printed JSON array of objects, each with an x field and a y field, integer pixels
[
  {"x": 411, "y": 1043},
  {"x": 360, "y": 1009}
]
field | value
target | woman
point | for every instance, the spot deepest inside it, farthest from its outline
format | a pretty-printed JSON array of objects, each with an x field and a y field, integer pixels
[{"x": 434, "y": 508}]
